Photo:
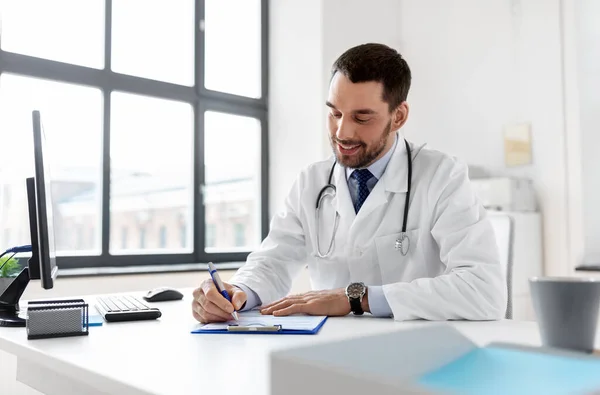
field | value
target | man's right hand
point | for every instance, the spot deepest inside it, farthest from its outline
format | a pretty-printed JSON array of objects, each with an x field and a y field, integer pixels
[{"x": 210, "y": 306}]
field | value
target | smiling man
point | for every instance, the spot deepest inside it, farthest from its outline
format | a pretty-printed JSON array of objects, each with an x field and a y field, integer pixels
[{"x": 385, "y": 226}]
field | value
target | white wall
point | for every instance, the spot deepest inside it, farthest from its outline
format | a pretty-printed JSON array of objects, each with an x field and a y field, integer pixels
[
  {"x": 477, "y": 67},
  {"x": 306, "y": 38},
  {"x": 570, "y": 35},
  {"x": 587, "y": 15},
  {"x": 347, "y": 23},
  {"x": 462, "y": 61},
  {"x": 294, "y": 92}
]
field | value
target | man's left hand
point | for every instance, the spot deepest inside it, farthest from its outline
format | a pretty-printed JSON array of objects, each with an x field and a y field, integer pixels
[{"x": 329, "y": 302}]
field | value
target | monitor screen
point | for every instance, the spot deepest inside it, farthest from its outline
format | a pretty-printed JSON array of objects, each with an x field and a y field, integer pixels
[{"x": 43, "y": 197}]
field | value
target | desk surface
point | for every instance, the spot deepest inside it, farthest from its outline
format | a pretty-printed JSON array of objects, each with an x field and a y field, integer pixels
[{"x": 163, "y": 357}]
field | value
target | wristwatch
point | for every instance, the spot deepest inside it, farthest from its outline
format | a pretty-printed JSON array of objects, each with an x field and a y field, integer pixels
[{"x": 355, "y": 293}]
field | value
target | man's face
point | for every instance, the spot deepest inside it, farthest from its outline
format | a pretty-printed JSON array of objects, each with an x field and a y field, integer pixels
[{"x": 359, "y": 121}]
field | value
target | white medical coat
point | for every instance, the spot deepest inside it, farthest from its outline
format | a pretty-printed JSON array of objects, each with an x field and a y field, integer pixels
[{"x": 452, "y": 269}]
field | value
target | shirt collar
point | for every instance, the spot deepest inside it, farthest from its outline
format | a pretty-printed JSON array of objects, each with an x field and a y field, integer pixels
[{"x": 378, "y": 167}]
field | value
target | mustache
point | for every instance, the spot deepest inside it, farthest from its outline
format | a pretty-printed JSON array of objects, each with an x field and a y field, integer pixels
[{"x": 348, "y": 142}]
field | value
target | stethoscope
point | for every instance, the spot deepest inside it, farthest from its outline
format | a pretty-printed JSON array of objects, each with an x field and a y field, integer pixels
[{"x": 402, "y": 243}]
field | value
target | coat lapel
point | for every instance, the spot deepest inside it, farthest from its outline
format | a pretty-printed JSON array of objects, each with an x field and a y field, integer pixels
[
  {"x": 342, "y": 200},
  {"x": 394, "y": 179},
  {"x": 395, "y": 176}
]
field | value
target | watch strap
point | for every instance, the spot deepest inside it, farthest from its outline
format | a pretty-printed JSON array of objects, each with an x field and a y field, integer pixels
[{"x": 356, "y": 306}]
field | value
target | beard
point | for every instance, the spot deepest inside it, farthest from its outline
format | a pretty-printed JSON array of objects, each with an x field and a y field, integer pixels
[{"x": 366, "y": 155}]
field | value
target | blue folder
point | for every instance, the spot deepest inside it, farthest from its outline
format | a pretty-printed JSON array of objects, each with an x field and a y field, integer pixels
[
  {"x": 255, "y": 323},
  {"x": 501, "y": 370}
]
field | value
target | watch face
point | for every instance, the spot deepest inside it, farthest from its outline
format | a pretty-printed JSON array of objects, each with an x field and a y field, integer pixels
[{"x": 356, "y": 290}]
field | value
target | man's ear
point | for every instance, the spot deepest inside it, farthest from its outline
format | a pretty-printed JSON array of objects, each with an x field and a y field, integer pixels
[{"x": 400, "y": 116}]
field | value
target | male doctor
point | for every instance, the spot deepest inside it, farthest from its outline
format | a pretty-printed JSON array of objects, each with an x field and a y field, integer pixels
[{"x": 438, "y": 260}]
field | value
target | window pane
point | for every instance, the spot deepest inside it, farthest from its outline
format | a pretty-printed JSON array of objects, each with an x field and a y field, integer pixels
[
  {"x": 163, "y": 237},
  {"x": 70, "y": 31},
  {"x": 183, "y": 235},
  {"x": 232, "y": 191},
  {"x": 233, "y": 47},
  {"x": 124, "y": 238},
  {"x": 154, "y": 39},
  {"x": 240, "y": 235},
  {"x": 151, "y": 174},
  {"x": 72, "y": 120}
]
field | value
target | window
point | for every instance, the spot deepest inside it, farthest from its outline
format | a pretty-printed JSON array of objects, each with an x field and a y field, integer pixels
[
  {"x": 144, "y": 105},
  {"x": 232, "y": 192},
  {"x": 211, "y": 235},
  {"x": 157, "y": 174},
  {"x": 92, "y": 239},
  {"x": 160, "y": 46},
  {"x": 79, "y": 233},
  {"x": 47, "y": 29},
  {"x": 7, "y": 240},
  {"x": 222, "y": 70},
  {"x": 240, "y": 235},
  {"x": 124, "y": 238},
  {"x": 142, "y": 238},
  {"x": 72, "y": 120},
  {"x": 163, "y": 237},
  {"x": 183, "y": 235}
]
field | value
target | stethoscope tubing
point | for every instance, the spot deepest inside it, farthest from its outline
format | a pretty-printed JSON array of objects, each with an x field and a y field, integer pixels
[{"x": 329, "y": 185}]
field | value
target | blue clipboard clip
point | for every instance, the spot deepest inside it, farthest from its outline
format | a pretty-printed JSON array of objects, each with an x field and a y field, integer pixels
[{"x": 262, "y": 328}]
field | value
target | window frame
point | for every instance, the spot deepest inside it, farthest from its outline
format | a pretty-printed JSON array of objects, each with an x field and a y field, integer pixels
[{"x": 201, "y": 100}]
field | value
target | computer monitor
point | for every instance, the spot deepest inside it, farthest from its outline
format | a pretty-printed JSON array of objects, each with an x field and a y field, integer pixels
[
  {"x": 42, "y": 264},
  {"x": 34, "y": 262},
  {"x": 43, "y": 196}
]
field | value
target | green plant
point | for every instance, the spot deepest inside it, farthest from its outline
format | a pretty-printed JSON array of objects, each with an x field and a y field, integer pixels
[{"x": 9, "y": 268}]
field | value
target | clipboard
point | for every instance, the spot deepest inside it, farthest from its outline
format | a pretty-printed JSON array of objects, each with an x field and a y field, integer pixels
[
  {"x": 267, "y": 328},
  {"x": 251, "y": 323}
]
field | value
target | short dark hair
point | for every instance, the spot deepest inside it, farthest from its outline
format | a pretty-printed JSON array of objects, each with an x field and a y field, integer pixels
[{"x": 380, "y": 63}]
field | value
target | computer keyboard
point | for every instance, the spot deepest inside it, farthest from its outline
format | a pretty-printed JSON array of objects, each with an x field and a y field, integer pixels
[{"x": 125, "y": 308}]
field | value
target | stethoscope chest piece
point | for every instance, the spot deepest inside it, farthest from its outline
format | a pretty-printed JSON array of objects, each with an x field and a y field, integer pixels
[{"x": 402, "y": 244}]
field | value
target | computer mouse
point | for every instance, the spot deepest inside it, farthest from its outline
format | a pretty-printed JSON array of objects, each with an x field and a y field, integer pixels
[{"x": 163, "y": 294}]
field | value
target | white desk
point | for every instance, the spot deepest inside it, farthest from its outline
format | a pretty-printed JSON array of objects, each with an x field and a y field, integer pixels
[{"x": 163, "y": 357}]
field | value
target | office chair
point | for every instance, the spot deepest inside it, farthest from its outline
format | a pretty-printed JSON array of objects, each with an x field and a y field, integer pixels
[{"x": 504, "y": 229}]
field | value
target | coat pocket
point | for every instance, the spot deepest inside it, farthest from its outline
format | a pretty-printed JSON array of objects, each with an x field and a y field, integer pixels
[{"x": 396, "y": 255}]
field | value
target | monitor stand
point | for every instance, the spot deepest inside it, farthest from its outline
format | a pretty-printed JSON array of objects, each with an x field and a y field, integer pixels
[{"x": 9, "y": 301}]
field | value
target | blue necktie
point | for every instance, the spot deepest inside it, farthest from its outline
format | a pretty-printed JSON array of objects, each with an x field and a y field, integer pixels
[{"x": 362, "y": 177}]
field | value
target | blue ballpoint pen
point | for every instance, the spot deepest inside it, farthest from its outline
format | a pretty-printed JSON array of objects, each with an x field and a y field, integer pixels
[{"x": 220, "y": 286}]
